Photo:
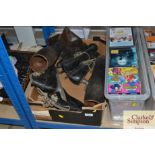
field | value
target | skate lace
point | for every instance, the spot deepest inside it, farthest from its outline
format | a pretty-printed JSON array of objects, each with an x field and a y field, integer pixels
[{"x": 51, "y": 102}]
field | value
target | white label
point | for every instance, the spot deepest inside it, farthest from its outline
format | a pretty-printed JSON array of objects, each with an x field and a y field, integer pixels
[
  {"x": 41, "y": 113},
  {"x": 139, "y": 119},
  {"x": 88, "y": 115},
  {"x": 118, "y": 118}
]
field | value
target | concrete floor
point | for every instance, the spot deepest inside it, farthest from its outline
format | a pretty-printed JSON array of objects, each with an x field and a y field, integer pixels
[{"x": 2, "y": 126}]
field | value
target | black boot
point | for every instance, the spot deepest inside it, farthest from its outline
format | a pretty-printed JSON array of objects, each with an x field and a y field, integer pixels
[
  {"x": 72, "y": 63},
  {"x": 78, "y": 73},
  {"x": 44, "y": 58},
  {"x": 47, "y": 81},
  {"x": 77, "y": 68},
  {"x": 95, "y": 87},
  {"x": 47, "y": 85},
  {"x": 54, "y": 100},
  {"x": 71, "y": 104}
]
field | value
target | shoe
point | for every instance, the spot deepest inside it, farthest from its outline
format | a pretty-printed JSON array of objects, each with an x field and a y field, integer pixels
[
  {"x": 95, "y": 87},
  {"x": 55, "y": 101},
  {"x": 88, "y": 54},
  {"x": 78, "y": 73},
  {"x": 71, "y": 104},
  {"x": 43, "y": 59},
  {"x": 47, "y": 82}
]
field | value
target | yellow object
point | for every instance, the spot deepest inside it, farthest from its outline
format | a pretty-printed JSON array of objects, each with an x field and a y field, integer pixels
[
  {"x": 134, "y": 104},
  {"x": 114, "y": 51},
  {"x": 153, "y": 69},
  {"x": 61, "y": 116},
  {"x": 129, "y": 70}
]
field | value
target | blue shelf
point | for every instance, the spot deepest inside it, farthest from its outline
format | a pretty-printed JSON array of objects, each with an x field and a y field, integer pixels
[
  {"x": 47, "y": 31},
  {"x": 11, "y": 121},
  {"x": 14, "y": 91}
]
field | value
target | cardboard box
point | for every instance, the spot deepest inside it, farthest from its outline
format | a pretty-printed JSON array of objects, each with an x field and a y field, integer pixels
[{"x": 88, "y": 116}]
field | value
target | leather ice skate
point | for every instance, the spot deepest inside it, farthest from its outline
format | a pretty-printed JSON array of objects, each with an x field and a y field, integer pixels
[
  {"x": 47, "y": 81},
  {"x": 95, "y": 87},
  {"x": 88, "y": 54},
  {"x": 43, "y": 59},
  {"x": 76, "y": 68},
  {"x": 71, "y": 104},
  {"x": 55, "y": 101},
  {"x": 47, "y": 86},
  {"x": 78, "y": 73}
]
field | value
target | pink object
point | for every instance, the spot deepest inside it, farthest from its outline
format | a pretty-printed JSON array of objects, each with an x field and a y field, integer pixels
[
  {"x": 131, "y": 89},
  {"x": 115, "y": 88}
]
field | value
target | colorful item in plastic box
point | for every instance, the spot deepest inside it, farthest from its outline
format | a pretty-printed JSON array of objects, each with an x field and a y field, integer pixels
[
  {"x": 131, "y": 75},
  {"x": 115, "y": 71},
  {"x": 126, "y": 77},
  {"x": 115, "y": 79},
  {"x": 132, "y": 78},
  {"x": 134, "y": 88},
  {"x": 123, "y": 57},
  {"x": 115, "y": 88},
  {"x": 121, "y": 36},
  {"x": 129, "y": 70},
  {"x": 115, "y": 75},
  {"x": 122, "y": 71}
]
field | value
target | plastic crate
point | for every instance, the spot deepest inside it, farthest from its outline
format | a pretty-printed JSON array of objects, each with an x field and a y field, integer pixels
[
  {"x": 119, "y": 103},
  {"x": 150, "y": 104}
]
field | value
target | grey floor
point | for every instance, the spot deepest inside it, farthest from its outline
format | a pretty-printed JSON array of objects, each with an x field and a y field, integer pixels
[{"x": 10, "y": 127}]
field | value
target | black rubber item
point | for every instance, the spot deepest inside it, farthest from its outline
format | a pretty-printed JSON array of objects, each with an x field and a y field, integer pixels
[
  {"x": 71, "y": 63},
  {"x": 44, "y": 58},
  {"x": 75, "y": 68},
  {"x": 95, "y": 87},
  {"x": 78, "y": 73},
  {"x": 72, "y": 103},
  {"x": 47, "y": 82}
]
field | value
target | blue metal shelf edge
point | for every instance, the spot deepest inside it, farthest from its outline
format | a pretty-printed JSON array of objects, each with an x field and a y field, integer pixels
[
  {"x": 14, "y": 90},
  {"x": 65, "y": 126},
  {"x": 11, "y": 121}
]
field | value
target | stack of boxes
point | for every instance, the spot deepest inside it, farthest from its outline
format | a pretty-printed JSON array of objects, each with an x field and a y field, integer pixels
[{"x": 123, "y": 75}]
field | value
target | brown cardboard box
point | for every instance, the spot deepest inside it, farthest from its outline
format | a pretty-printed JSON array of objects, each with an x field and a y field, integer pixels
[{"x": 88, "y": 116}]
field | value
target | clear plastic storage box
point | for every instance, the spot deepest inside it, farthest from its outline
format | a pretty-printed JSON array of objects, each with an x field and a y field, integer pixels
[{"x": 121, "y": 102}]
